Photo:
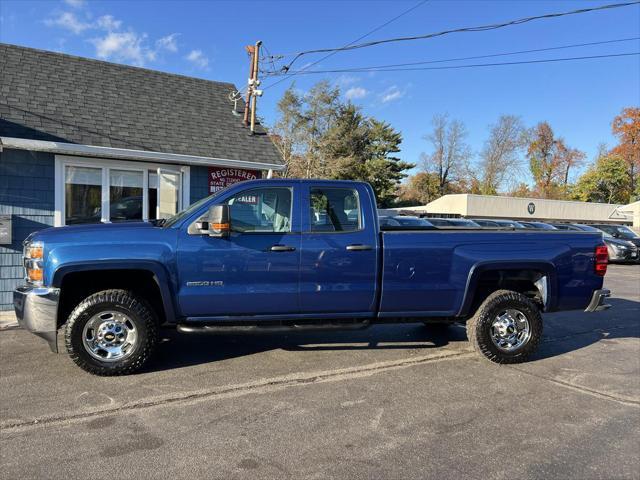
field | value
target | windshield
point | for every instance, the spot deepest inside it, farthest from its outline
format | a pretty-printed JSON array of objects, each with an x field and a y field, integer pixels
[
  {"x": 412, "y": 221},
  {"x": 544, "y": 226},
  {"x": 619, "y": 231}
]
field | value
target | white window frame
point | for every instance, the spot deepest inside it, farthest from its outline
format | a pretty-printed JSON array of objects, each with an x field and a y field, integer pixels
[{"x": 105, "y": 164}]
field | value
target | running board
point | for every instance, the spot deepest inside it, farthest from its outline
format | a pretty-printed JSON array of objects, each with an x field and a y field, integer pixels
[{"x": 193, "y": 327}]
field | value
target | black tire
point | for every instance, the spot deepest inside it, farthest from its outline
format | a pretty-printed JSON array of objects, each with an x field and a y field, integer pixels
[
  {"x": 480, "y": 326},
  {"x": 140, "y": 315}
]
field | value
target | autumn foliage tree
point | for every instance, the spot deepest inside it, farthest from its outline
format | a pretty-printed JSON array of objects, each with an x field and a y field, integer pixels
[
  {"x": 551, "y": 162},
  {"x": 626, "y": 127}
]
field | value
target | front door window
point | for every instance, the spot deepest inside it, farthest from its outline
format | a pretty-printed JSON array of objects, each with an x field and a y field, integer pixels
[{"x": 262, "y": 210}]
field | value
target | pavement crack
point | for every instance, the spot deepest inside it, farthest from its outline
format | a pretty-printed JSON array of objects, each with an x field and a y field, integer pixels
[
  {"x": 579, "y": 388},
  {"x": 262, "y": 386}
]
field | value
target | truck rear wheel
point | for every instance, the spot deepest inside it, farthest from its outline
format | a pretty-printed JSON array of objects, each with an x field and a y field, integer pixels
[
  {"x": 111, "y": 332},
  {"x": 506, "y": 328}
]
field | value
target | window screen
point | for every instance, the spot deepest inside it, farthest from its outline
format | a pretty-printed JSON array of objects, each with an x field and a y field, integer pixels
[
  {"x": 261, "y": 210},
  {"x": 335, "y": 210}
]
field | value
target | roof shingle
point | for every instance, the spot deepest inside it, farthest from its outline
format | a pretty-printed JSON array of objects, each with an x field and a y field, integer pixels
[{"x": 57, "y": 97}]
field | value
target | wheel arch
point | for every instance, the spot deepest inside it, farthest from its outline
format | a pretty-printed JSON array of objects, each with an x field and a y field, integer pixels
[
  {"x": 486, "y": 277},
  {"x": 101, "y": 275}
]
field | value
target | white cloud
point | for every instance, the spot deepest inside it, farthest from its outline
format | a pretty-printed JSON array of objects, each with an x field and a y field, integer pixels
[
  {"x": 75, "y": 3},
  {"x": 198, "y": 58},
  {"x": 108, "y": 23},
  {"x": 345, "y": 80},
  {"x": 168, "y": 43},
  {"x": 68, "y": 21},
  {"x": 355, "y": 92},
  {"x": 113, "y": 42},
  {"x": 124, "y": 47},
  {"x": 391, "y": 94}
]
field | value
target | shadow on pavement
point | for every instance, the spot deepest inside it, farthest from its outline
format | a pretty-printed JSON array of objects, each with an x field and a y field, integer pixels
[
  {"x": 569, "y": 331},
  {"x": 178, "y": 350},
  {"x": 564, "y": 332}
]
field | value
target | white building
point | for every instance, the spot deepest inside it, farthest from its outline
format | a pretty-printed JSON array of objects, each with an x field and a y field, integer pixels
[{"x": 533, "y": 209}]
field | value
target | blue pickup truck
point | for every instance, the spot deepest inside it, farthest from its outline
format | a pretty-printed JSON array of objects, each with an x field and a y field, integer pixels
[{"x": 295, "y": 254}]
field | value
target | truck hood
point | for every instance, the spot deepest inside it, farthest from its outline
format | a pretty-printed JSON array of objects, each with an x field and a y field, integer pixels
[
  {"x": 618, "y": 241},
  {"x": 71, "y": 232}
]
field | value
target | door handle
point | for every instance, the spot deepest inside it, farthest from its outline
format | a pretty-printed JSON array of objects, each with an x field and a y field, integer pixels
[
  {"x": 359, "y": 247},
  {"x": 282, "y": 248}
]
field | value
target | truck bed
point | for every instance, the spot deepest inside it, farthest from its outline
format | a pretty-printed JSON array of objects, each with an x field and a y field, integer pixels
[{"x": 430, "y": 272}]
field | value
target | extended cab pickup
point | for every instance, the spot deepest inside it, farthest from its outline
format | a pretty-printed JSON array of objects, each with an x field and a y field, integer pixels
[{"x": 296, "y": 254}]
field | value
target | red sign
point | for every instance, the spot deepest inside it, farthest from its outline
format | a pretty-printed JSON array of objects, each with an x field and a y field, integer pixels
[{"x": 221, "y": 177}]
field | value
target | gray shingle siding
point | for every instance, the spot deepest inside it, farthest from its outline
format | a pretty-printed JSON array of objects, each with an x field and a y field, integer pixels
[
  {"x": 27, "y": 194},
  {"x": 199, "y": 183}
]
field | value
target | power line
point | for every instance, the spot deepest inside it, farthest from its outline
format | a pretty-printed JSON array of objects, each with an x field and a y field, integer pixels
[
  {"x": 452, "y": 67},
  {"x": 475, "y": 57},
  {"x": 379, "y": 27},
  {"x": 480, "y": 28}
]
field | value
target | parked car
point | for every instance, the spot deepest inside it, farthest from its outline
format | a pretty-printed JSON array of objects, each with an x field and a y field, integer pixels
[
  {"x": 567, "y": 226},
  {"x": 537, "y": 225},
  {"x": 501, "y": 222},
  {"x": 486, "y": 223},
  {"x": 620, "y": 232},
  {"x": 403, "y": 221},
  {"x": 286, "y": 254},
  {"x": 620, "y": 251},
  {"x": 453, "y": 223}
]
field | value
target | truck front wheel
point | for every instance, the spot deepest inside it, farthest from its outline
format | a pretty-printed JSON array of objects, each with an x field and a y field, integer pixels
[
  {"x": 111, "y": 332},
  {"x": 506, "y": 328}
]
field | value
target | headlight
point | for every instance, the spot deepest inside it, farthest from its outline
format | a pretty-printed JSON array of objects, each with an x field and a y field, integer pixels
[
  {"x": 33, "y": 262},
  {"x": 621, "y": 247}
]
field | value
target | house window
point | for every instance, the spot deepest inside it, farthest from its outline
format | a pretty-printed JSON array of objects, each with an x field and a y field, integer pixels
[
  {"x": 98, "y": 190},
  {"x": 125, "y": 195},
  {"x": 83, "y": 195}
]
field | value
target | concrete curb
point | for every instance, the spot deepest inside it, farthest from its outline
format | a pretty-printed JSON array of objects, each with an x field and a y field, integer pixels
[{"x": 8, "y": 320}]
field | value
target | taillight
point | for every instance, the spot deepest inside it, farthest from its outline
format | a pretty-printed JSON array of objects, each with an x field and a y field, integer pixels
[{"x": 602, "y": 259}]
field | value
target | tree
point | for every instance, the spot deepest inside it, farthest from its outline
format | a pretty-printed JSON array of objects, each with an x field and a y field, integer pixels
[
  {"x": 362, "y": 148},
  {"x": 322, "y": 107},
  {"x": 450, "y": 155},
  {"x": 420, "y": 189},
  {"x": 568, "y": 158},
  {"x": 499, "y": 157},
  {"x": 286, "y": 132},
  {"x": 551, "y": 161},
  {"x": 606, "y": 182},
  {"x": 346, "y": 143},
  {"x": 543, "y": 160},
  {"x": 626, "y": 127}
]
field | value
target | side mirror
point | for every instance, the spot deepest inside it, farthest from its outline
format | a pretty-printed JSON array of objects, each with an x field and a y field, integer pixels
[
  {"x": 219, "y": 221},
  {"x": 216, "y": 223}
]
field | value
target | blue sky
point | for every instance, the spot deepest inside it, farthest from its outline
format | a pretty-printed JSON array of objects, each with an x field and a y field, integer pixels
[{"x": 206, "y": 39}]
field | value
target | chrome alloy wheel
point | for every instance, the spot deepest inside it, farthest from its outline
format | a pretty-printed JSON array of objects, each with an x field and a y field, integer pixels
[
  {"x": 510, "y": 330},
  {"x": 109, "y": 336}
]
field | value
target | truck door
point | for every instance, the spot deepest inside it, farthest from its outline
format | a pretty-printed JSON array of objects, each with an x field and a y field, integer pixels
[
  {"x": 252, "y": 272},
  {"x": 339, "y": 243}
]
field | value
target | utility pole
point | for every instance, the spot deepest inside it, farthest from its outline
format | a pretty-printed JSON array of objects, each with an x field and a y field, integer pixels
[{"x": 252, "y": 86}]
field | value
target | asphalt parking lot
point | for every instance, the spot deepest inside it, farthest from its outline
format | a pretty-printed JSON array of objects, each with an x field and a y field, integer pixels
[{"x": 397, "y": 401}]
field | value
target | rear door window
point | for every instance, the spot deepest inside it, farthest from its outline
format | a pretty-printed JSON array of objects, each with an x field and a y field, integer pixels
[{"x": 335, "y": 210}]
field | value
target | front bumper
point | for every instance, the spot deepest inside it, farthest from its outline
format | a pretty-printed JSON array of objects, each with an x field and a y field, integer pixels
[
  {"x": 597, "y": 301},
  {"x": 625, "y": 256},
  {"x": 37, "y": 311}
]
